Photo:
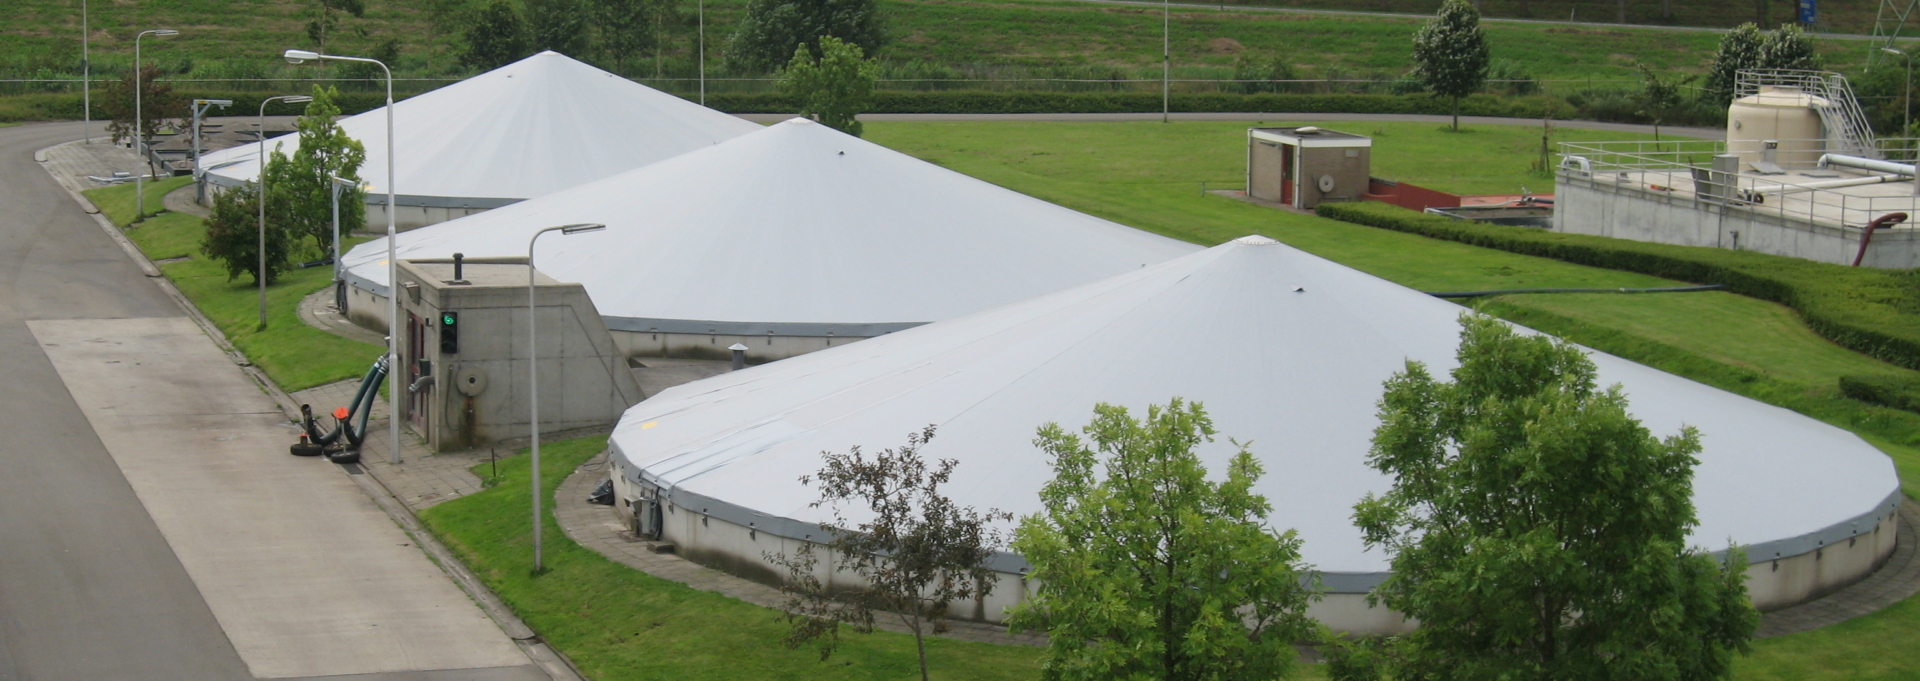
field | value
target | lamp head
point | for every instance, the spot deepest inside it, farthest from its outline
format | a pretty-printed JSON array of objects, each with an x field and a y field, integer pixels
[
  {"x": 582, "y": 228},
  {"x": 164, "y": 31},
  {"x": 222, "y": 103},
  {"x": 296, "y": 99},
  {"x": 301, "y": 56},
  {"x": 1893, "y": 52}
]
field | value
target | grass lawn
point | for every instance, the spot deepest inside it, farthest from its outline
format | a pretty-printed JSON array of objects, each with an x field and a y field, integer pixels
[
  {"x": 294, "y": 355},
  {"x": 116, "y": 202},
  {"x": 1146, "y": 175},
  {"x": 619, "y": 623}
]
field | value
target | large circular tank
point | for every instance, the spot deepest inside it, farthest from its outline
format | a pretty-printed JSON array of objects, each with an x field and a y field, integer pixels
[{"x": 1783, "y": 114}]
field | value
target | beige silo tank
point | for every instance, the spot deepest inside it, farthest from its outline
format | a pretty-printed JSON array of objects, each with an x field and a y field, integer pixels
[{"x": 1784, "y": 114}]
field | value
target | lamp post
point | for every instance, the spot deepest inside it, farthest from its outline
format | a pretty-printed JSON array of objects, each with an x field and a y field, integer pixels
[
  {"x": 339, "y": 292},
  {"x": 1908, "y": 123},
  {"x": 86, "y": 78},
  {"x": 393, "y": 264},
  {"x": 1166, "y": 58},
  {"x": 260, "y": 183},
  {"x": 139, "y": 132},
  {"x": 703, "y": 52},
  {"x": 200, "y": 106},
  {"x": 533, "y": 374}
]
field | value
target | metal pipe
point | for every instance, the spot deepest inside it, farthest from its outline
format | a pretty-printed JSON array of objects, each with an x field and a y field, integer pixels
[
  {"x": 1862, "y": 163},
  {"x": 1867, "y": 238},
  {"x": 1785, "y": 188}
]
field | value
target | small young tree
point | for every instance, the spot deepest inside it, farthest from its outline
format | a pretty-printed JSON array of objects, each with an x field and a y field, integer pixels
[
  {"x": 305, "y": 191},
  {"x": 833, "y": 89},
  {"x": 1659, "y": 96},
  {"x": 772, "y": 29},
  {"x": 1156, "y": 572},
  {"x": 1739, "y": 50},
  {"x": 1788, "y": 47},
  {"x": 558, "y": 25},
  {"x": 498, "y": 37},
  {"x": 1450, "y": 54},
  {"x": 233, "y": 232},
  {"x": 919, "y": 552},
  {"x": 1538, "y": 531},
  {"x": 159, "y": 105}
]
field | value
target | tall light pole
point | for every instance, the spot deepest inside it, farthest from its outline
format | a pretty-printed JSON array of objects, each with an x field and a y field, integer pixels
[
  {"x": 339, "y": 292},
  {"x": 200, "y": 106},
  {"x": 86, "y": 78},
  {"x": 533, "y": 374},
  {"x": 393, "y": 262},
  {"x": 703, "y": 52},
  {"x": 139, "y": 132},
  {"x": 1166, "y": 58},
  {"x": 1904, "y": 131},
  {"x": 260, "y": 184}
]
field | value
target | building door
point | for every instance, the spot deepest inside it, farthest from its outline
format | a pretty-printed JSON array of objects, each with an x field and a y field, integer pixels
[
  {"x": 1286, "y": 174},
  {"x": 416, "y": 350}
]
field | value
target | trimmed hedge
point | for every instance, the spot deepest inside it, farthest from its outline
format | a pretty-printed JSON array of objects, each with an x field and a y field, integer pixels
[
  {"x": 1898, "y": 392},
  {"x": 67, "y": 106},
  {"x": 1875, "y": 312}
]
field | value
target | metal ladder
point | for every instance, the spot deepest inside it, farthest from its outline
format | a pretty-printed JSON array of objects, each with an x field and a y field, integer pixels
[{"x": 1847, "y": 129}]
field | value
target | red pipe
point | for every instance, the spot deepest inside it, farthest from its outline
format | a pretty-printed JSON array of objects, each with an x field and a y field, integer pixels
[{"x": 1882, "y": 221}]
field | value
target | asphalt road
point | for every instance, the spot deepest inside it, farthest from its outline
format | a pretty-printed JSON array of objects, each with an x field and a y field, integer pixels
[{"x": 89, "y": 589}]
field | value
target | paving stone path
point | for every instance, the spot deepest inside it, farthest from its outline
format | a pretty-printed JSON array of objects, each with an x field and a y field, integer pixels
[{"x": 1898, "y": 580}]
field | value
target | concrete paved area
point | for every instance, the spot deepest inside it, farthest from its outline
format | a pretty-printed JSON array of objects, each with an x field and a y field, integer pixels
[
  {"x": 1896, "y": 581},
  {"x": 304, "y": 573}
]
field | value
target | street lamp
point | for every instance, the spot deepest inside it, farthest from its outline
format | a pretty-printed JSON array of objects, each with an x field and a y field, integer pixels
[
  {"x": 533, "y": 373},
  {"x": 298, "y": 57},
  {"x": 86, "y": 78},
  {"x": 260, "y": 183},
  {"x": 1166, "y": 58},
  {"x": 139, "y": 144},
  {"x": 1905, "y": 131},
  {"x": 200, "y": 107},
  {"x": 339, "y": 292}
]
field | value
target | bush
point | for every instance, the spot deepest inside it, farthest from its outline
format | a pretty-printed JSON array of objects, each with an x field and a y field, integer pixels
[
  {"x": 1874, "y": 312},
  {"x": 1898, "y": 392}
]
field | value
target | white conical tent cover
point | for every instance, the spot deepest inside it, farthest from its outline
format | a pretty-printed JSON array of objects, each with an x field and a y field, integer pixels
[
  {"x": 797, "y": 229},
  {"x": 527, "y": 129},
  {"x": 1286, "y": 351}
]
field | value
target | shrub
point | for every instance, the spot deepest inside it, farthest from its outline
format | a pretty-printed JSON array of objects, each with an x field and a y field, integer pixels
[
  {"x": 1898, "y": 392},
  {"x": 1874, "y": 312}
]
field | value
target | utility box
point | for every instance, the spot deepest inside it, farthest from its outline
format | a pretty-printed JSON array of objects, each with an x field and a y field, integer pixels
[
  {"x": 466, "y": 327},
  {"x": 1305, "y": 166}
]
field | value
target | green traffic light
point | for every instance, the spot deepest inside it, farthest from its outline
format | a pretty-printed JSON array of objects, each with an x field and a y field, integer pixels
[{"x": 446, "y": 319}]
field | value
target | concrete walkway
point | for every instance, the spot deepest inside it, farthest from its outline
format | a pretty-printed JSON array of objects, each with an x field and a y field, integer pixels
[{"x": 1896, "y": 581}]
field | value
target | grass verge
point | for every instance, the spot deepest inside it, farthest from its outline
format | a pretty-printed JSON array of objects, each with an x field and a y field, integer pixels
[
  {"x": 619, "y": 623},
  {"x": 296, "y": 356},
  {"x": 116, "y": 202}
]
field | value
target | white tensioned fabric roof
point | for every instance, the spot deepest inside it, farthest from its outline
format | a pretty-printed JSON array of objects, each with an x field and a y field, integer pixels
[
  {"x": 1297, "y": 373},
  {"x": 795, "y": 230},
  {"x": 529, "y": 128}
]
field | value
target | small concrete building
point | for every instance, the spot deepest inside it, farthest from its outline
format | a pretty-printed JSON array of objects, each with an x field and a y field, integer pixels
[
  {"x": 467, "y": 330},
  {"x": 1305, "y": 166}
]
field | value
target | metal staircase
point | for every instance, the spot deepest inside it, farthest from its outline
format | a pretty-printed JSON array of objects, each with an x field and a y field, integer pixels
[{"x": 1847, "y": 129}]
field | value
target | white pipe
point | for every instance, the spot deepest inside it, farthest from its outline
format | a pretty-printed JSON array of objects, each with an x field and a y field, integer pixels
[
  {"x": 1872, "y": 164},
  {"x": 1784, "y": 188},
  {"x": 1586, "y": 166}
]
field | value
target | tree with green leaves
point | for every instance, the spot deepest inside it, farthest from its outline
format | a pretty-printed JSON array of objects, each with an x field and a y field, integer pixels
[
  {"x": 558, "y": 25},
  {"x": 833, "y": 89},
  {"x": 498, "y": 37},
  {"x": 772, "y": 29},
  {"x": 1143, "y": 568},
  {"x": 1659, "y": 96},
  {"x": 325, "y": 22},
  {"x": 1788, "y": 47},
  {"x": 624, "y": 29},
  {"x": 1450, "y": 54},
  {"x": 1739, "y": 50},
  {"x": 1537, "y": 530},
  {"x": 304, "y": 188},
  {"x": 918, "y": 554},
  {"x": 160, "y": 106},
  {"x": 233, "y": 230}
]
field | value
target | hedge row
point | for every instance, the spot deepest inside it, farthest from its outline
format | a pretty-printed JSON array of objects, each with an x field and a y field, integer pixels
[
  {"x": 1876, "y": 312},
  {"x": 67, "y": 106},
  {"x": 1898, "y": 392}
]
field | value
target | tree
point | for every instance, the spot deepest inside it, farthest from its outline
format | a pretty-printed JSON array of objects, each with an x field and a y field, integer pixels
[
  {"x": 1156, "y": 572},
  {"x": 773, "y": 29},
  {"x": 625, "y": 29},
  {"x": 919, "y": 553},
  {"x": 305, "y": 188},
  {"x": 159, "y": 106},
  {"x": 498, "y": 37},
  {"x": 1538, "y": 531},
  {"x": 833, "y": 89},
  {"x": 326, "y": 22},
  {"x": 558, "y": 25},
  {"x": 1739, "y": 50},
  {"x": 1659, "y": 96},
  {"x": 1450, "y": 54},
  {"x": 1256, "y": 72},
  {"x": 233, "y": 232},
  {"x": 1788, "y": 47}
]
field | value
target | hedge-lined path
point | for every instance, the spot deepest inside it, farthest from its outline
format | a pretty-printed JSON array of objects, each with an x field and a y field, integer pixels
[{"x": 1465, "y": 121}]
